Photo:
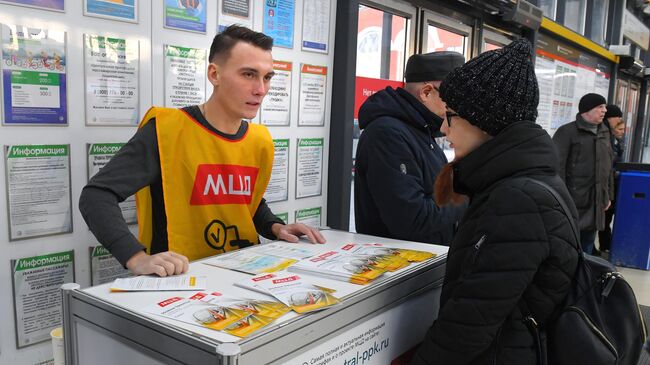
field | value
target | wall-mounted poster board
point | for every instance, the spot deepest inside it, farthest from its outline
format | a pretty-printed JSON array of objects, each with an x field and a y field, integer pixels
[{"x": 564, "y": 75}]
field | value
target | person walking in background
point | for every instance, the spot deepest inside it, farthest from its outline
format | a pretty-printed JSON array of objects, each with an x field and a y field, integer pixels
[
  {"x": 585, "y": 165},
  {"x": 616, "y": 125},
  {"x": 514, "y": 246},
  {"x": 397, "y": 158}
]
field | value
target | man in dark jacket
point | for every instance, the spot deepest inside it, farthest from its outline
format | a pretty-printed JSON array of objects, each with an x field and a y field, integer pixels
[
  {"x": 397, "y": 159},
  {"x": 616, "y": 126},
  {"x": 586, "y": 165}
]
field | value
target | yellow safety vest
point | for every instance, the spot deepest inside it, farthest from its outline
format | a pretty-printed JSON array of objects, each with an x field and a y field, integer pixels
[{"x": 211, "y": 185}]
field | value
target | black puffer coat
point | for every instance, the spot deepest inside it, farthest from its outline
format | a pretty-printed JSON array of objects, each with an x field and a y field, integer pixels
[{"x": 514, "y": 242}]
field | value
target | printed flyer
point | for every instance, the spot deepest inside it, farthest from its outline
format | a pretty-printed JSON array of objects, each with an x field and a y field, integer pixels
[
  {"x": 55, "y": 5},
  {"x": 38, "y": 189},
  {"x": 278, "y": 187},
  {"x": 309, "y": 167},
  {"x": 276, "y": 106},
  {"x": 112, "y": 69},
  {"x": 294, "y": 291},
  {"x": 104, "y": 268},
  {"x": 34, "y": 80},
  {"x": 263, "y": 307},
  {"x": 155, "y": 283},
  {"x": 212, "y": 316},
  {"x": 37, "y": 294},
  {"x": 340, "y": 266},
  {"x": 316, "y": 25},
  {"x": 313, "y": 84},
  {"x": 309, "y": 216},
  {"x": 285, "y": 249},
  {"x": 249, "y": 262},
  {"x": 278, "y": 21},
  {"x": 124, "y": 10},
  {"x": 98, "y": 156},
  {"x": 186, "y": 15},
  {"x": 185, "y": 76},
  {"x": 234, "y": 12}
]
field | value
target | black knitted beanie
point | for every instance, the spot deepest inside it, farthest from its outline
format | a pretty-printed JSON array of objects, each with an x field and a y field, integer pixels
[{"x": 494, "y": 89}]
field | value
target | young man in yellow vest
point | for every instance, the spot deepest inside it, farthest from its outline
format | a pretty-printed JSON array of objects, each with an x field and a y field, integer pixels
[{"x": 199, "y": 172}]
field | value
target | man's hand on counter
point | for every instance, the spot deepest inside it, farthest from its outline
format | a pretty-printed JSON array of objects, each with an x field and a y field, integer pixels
[
  {"x": 291, "y": 232},
  {"x": 162, "y": 264}
]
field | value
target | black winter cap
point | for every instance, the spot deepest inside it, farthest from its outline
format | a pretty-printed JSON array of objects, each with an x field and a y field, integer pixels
[
  {"x": 590, "y": 101},
  {"x": 494, "y": 89},
  {"x": 613, "y": 111},
  {"x": 432, "y": 66}
]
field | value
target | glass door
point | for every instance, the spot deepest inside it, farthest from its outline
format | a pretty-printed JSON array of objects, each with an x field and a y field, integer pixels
[
  {"x": 492, "y": 39},
  {"x": 385, "y": 40},
  {"x": 441, "y": 33}
]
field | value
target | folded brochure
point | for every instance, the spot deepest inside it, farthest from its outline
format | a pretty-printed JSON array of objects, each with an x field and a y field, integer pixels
[
  {"x": 249, "y": 262},
  {"x": 221, "y": 313},
  {"x": 292, "y": 290}
]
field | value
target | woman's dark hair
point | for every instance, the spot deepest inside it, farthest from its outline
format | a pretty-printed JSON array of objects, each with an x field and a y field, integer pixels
[{"x": 226, "y": 40}]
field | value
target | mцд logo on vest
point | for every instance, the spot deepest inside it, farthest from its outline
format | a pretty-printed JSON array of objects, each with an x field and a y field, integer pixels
[{"x": 220, "y": 185}]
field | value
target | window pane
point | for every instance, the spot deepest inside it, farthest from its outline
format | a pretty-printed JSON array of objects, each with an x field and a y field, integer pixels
[
  {"x": 599, "y": 21},
  {"x": 375, "y": 59},
  {"x": 487, "y": 46},
  {"x": 574, "y": 15},
  {"x": 439, "y": 39},
  {"x": 548, "y": 7}
]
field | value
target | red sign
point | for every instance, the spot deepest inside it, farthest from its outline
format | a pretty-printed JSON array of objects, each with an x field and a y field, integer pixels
[
  {"x": 223, "y": 184},
  {"x": 169, "y": 301},
  {"x": 365, "y": 86}
]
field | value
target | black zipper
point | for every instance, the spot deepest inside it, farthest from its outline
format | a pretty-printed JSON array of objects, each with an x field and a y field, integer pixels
[{"x": 496, "y": 345}]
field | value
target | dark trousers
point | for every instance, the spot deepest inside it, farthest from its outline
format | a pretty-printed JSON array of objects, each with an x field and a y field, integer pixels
[
  {"x": 605, "y": 236},
  {"x": 587, "y": 239}
]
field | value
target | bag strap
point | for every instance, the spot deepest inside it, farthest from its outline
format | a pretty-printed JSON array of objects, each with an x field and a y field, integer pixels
[{"x": 532, "y": 325}]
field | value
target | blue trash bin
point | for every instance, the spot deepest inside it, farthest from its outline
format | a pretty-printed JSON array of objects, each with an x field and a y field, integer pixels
[{"x": 631, "y": 236}]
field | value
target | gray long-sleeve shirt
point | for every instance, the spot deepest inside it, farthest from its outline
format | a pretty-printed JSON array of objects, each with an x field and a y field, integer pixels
[{"x": 134, "y": 167}]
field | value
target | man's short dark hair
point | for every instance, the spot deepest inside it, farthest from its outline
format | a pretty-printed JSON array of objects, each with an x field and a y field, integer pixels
[{"x": 226, "y": 40}]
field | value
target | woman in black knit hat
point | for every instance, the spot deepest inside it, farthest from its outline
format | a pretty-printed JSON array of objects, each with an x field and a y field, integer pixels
[{"x": 514, "y": 251}]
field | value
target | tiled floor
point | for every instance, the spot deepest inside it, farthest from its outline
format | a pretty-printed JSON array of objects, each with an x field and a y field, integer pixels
[{"x": 640, "y": 282}]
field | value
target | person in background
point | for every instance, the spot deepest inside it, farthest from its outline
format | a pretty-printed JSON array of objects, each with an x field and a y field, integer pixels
[
  {"x": 586, "y": 166},
  {"x": 200, "y": 172},
  {"x": 616, "y": 125},
  {"x": 514, "y": 247},
  {"x": 397, "y": 158}
]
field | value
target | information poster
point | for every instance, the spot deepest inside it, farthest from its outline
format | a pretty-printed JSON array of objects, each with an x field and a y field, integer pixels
[
  {"x": 284, "y": 216},
  {"x": 37, "y": 294},
  {"x": 38, "y": 190},
  {"x": 313, "y": 81},
  {"x": 33, "y": 76},
  {"x": 276, "y": 106},
  {"x": 309, "y": 167},
  {"x": 57, "y": 5},
  {"x": 98, "y": 156},
  {"x": 278, "y": 21},
  {"x": 316, "y": 25},
  {"x": 185, "y": 76},
  {"x": 104, "y": 268},
  {"x": 187, "y": 15},
  {"x": 310, "y": 217},
  {"x": 234, "y": 12},
  {"x": 278, "y": 188},
  {"x": 125, "y": 10},
  {"x": 112, "y": 74},
  {"x": 564, "y": 75}
]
